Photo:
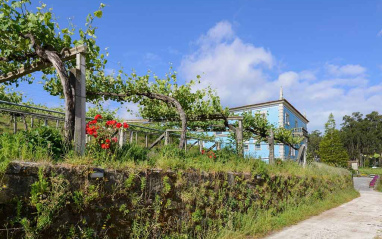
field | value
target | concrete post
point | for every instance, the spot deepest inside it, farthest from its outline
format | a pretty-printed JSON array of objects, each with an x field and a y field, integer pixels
[
  {"x": 14, "y": 124},
  {"x": 239, "y": 137},
  {"x": 122, "y": 137},
  {"x": 166, "y": 138},
  {"x": 271, "y": 143},
  {"x": 32, "y": 120},
  {"x": 131, "y": 137},
  {"x": 80, "y": 104}
]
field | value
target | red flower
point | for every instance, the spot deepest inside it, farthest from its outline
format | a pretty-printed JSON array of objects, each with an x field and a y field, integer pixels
[
  {"x": 119, "y": 125},
  {"x": 210, "y": 156},
  {"x": 92, "y": 122},
  {"x": 107, "y": 141},
  {"x": 111, "y": 122},
  {"x": 105, "y": 146},
  {"x": 114, "y": 139},
  {"x": 125, "y": 125},
  {"x": 98, "y": 117},
  {"x": 202, "y": 151},
  {"x": 95, "y": 134}
]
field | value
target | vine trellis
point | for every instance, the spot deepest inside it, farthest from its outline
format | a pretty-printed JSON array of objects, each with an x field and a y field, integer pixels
[{"x": 77, "y": 75}]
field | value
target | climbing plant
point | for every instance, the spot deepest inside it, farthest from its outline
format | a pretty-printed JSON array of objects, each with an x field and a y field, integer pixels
[
  {"x": 31, "y": 36},
  {"x": 161, "y": 99}
]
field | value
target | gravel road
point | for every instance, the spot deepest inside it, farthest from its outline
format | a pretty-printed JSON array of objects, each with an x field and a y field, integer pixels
[{"x": 360, "y": 218}]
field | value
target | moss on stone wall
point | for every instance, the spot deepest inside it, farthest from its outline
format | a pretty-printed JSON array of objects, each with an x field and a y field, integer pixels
[{"x": 46, "y": 201}]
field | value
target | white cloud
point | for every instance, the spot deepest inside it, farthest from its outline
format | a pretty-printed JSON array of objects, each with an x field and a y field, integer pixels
[
  {"x": 346, "y": 70},
  {"x": 228, "y": 64},
  {"x": 129, "y": 111},
  {"x": 239, "y": 71},
  {"x": 379, "y": 33}
]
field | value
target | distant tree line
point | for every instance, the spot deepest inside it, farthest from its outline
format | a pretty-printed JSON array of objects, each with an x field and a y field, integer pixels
[{"x": 359, "y": 138}]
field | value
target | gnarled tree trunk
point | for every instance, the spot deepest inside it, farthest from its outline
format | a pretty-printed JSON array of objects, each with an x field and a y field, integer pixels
[
  {"x": 68, "y": 88},
  {"x": 53, "y": 57}
]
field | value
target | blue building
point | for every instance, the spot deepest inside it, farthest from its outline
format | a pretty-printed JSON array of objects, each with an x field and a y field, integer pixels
[{"x": 280, "y": 113}]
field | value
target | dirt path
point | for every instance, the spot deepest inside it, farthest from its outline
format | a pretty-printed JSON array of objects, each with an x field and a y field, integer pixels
[{"x": 360, "y": 218}]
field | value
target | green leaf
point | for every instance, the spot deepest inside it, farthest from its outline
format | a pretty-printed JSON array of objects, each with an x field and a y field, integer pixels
[{"x": 98, "y": 13}]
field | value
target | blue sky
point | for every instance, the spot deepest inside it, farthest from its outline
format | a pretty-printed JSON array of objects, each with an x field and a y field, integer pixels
[{"x": 325, "y": 54}]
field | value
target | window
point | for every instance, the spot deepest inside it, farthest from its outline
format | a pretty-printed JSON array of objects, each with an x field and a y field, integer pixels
[
  {"x": 218, "y": 133},
  {"x": 246, "y": 147},
  {"x": 257, "y": 146},
  {"x": 287, "y": 119}
]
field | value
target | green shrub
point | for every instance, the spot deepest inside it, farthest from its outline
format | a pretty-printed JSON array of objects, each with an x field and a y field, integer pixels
[{"x": 46, "y": 137}]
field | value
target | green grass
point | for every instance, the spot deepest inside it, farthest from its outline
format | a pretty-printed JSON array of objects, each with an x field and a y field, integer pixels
[
  {"x": 32, "y": 146},
  {"x": 258, "y": 224},
  {"x": 367, "y": 171}
]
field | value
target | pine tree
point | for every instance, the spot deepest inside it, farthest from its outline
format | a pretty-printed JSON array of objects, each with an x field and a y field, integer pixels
[{"x": 332, "y": 150}]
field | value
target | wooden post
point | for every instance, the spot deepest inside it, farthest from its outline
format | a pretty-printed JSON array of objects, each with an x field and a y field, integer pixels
[
  {"x": 239, "y": 137},
  {"x": 45, "y": 122},
  {"x": 271, "y": 143},
  {"x": 146, "y": 141},
  {"x": 80, "y": 104},
  {"x": 32, "y": 119},
  {"x": 14, "y": 124},
  {"x": 57, "y": 124},
  {"x": 218, "y": 146},
  {"x": 200, "y": 145},
  {"x": 25, "y": 123},
  {"x": 136, "y": 137}
]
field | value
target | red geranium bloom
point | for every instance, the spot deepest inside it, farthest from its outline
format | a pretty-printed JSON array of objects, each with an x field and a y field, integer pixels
[
  {"x": 98, "y": 117},
  {"x": 107, "y": 141},
  {"x": 114, "y": 139},
  {"x": 125, "y": 125},
  {"x": 210, "y": 156},
  {"x": 202, "y": 151},
  {"x": 118, "y": 125}
]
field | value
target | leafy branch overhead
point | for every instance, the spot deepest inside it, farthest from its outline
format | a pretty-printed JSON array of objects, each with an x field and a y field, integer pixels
[
  {"x": 33, "y": 36},
  {"x": 259, "y": 127}
]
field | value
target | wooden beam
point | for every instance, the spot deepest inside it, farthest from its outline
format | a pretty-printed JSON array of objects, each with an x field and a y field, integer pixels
[
  {"x": 157, "y": 140},
  {"x": 210, "y": 148},
  {"x": 193, "y": 144},
  {"x": 38, "y": 66}
]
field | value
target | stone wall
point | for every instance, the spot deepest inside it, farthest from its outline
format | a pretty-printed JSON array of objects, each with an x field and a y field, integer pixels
[{"x": 43, "y": 200}]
